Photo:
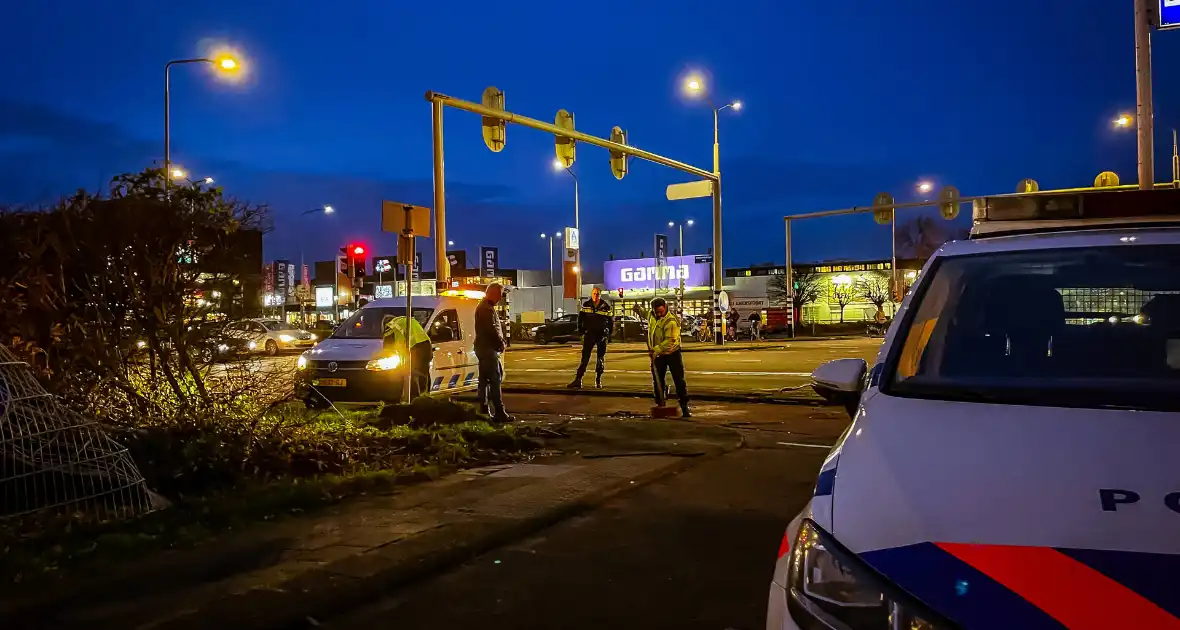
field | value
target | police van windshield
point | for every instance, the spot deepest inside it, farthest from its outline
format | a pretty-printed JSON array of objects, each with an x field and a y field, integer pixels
[
  {"x": 1096, "y": 327},
  {"x": 369, "y": 323}
]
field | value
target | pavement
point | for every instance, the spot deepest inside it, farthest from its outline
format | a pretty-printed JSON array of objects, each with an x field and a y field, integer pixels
[{"x": 584, "y": 520}]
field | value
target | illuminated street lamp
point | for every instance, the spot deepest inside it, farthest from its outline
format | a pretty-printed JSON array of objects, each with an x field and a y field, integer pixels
[
  {"x": 1124, "y": 120},
  {"x": 925, "y": 187},
  {"x": 558, "y": 165},
  {"x": 695, "y": 86},
  {"x": 223, "y": 63}
]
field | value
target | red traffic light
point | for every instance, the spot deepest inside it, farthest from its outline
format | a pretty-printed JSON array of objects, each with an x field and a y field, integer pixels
[{"x": 357, "y": 250}]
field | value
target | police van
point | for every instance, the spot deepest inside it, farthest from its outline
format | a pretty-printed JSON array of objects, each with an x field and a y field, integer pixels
[
  {"x": 354, "y": 365},
  {"x": 1012, "y": 457}
]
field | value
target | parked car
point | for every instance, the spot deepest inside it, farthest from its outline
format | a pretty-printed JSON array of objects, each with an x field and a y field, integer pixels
[
  {"x": 564, "y": 328},
  {"x": 270, "y": 336},
  {"x": 629, "y": 328},
  {"x": 212, "y": 344}
]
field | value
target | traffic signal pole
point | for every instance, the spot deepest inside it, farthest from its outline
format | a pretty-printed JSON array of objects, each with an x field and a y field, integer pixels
[
  {"x": 438, "y": 101},
  {"x": 442, "y": 266}
]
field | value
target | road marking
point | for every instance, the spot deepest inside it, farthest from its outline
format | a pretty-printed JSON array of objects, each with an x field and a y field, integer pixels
[
  {"x": 825, "y": 446},
  {"x": 709, "y": 373}
]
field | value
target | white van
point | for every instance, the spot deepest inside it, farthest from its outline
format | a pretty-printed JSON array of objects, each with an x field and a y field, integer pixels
[{"x": 354, "y": 366}]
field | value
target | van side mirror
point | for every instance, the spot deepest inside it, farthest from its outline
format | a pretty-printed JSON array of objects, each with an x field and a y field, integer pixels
[{"x": 840, "y": 382}]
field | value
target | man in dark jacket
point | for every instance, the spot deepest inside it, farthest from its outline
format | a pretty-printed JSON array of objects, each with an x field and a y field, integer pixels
[
  {"x": 596, "y": 324},
  {"x": 489, "y": 345}
]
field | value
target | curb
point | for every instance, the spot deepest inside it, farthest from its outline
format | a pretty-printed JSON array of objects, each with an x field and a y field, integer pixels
[
  {"x": 615, "y": 393},
  {"x": 327, "y": 594},
  {"x": 776, "y": 344}
]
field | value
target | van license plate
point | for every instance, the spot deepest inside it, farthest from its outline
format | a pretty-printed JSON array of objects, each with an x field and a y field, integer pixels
[{"x": 330, "y": 382}]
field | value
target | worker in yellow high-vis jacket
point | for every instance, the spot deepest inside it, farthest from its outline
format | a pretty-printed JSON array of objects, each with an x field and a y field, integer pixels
[
  {"x": 663, "y": 344},
  {"x": 421, "y": 351}
]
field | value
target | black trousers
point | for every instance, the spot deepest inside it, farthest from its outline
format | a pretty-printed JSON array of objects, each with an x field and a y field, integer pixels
[
  {"x": 673, "y": 363},
  {"x": 491, "y": 379},
  {"x": 588, "y": 345},
  {"x": 421, "y": 356}
]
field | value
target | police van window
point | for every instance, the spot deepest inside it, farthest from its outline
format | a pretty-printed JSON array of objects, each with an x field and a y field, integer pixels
[
  {"x": 448, "y": 319},
  {"x": 369, "y": 323},
  {"x": 1093, "y": 327}
]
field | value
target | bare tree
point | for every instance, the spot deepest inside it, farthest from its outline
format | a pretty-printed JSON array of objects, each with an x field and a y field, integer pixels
[
  {"x": 843, "y": 295},
  {"x": 922, "y": 235},
  {"x": 808, "y": 287},
  {"x": 874, "y": 287}
]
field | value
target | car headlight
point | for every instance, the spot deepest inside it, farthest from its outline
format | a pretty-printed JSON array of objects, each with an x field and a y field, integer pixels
[
  {"x": 313, "y": 337},
  {"x": 286, "y": 338},
  {"x": 384, "y": 363},
  {"x": 222, "y": 347},
  {"x": 832, "y": 588},
  {"x": 301, "y": 362},
  {"x": 141, "y": 344},
  {"x": 251, "y": 345}
]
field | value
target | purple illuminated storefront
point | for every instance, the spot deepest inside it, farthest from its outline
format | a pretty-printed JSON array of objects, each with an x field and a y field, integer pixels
[
  {"x": 641, "y": 274},
  {"x": 640, "y": 280}
]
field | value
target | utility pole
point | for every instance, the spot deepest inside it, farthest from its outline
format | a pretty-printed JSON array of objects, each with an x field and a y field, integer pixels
[{"x": 1144, "y": 112}]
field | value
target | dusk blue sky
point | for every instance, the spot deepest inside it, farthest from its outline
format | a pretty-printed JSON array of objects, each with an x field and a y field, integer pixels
[{"x": 843, "y": 99}]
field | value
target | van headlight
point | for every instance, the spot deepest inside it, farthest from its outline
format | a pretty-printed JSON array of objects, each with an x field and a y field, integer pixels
[
  {"x": 286, "y": 338},
  {"x": 384, "y": 363},
  {"x": 831, "y": 588},
  {"x": 301, "y": 363},
  {"x": 251, "y": 345}
]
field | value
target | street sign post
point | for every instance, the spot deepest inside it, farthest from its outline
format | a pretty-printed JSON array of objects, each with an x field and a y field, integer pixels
[
  {"x": 690, "y": 190},
  {"x": 413, "y": 221}
]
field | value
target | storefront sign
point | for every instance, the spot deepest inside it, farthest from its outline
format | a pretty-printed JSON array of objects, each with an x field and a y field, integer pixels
[
  {"x": 643, "y": 273},
  {"x": 489, "y": 260},
  {"x": 323, "y": 297}
]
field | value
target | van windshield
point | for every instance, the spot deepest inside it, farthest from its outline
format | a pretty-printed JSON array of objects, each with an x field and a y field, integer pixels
[
  {"x": 1096, "y": 327},
  {"x": 369, "y": 323}
]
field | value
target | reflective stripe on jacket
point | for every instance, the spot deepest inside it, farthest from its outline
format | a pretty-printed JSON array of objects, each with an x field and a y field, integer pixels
[
  {"x": 595, "y": 320},
  {"x": 663, "y": 334}
]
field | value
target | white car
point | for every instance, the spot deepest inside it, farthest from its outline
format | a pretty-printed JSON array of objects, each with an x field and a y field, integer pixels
[
  {"x": 1012, "y": 460},
  {"x": 354, "y": 365},
  {"x": 270, "y": 336}
]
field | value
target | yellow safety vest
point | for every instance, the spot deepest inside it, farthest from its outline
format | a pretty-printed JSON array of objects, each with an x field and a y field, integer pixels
[{"x": 396, "y": 328}]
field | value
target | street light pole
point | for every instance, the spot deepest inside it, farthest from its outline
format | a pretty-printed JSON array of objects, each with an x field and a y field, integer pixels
[
  {"x": 225, "y": 63},
  {"x": 1145, "y": 116},
  {"x": 552, "y": 298},
  {"x": 578, "y": 229}
]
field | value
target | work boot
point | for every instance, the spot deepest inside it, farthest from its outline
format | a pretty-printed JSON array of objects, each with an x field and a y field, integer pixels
[
  {"x": 503, "y": 418},
  {"x": 575, "y": 384},
  {"x": 684, "y": 413},
  {"x": 598, "y": 381}
]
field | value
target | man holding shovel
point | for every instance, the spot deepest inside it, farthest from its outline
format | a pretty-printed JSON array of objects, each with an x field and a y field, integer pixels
[{"x": 663, "y": 346}]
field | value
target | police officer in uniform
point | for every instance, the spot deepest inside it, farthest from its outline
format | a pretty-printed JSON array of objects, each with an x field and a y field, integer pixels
[{"x": 596, "y": 324}]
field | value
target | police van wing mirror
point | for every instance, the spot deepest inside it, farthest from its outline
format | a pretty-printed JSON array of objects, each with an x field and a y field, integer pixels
[{"x": 840, "y": 382}]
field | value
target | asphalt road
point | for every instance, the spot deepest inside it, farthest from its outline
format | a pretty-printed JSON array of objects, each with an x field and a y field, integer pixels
[
  {"x": 693, "y": 550},
  {"x": 779, "y": 365},
  {"x": 743, "y": 371}
]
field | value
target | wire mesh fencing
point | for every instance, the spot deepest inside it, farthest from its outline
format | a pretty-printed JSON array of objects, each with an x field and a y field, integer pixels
[{"x": 57, "y": 461}]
